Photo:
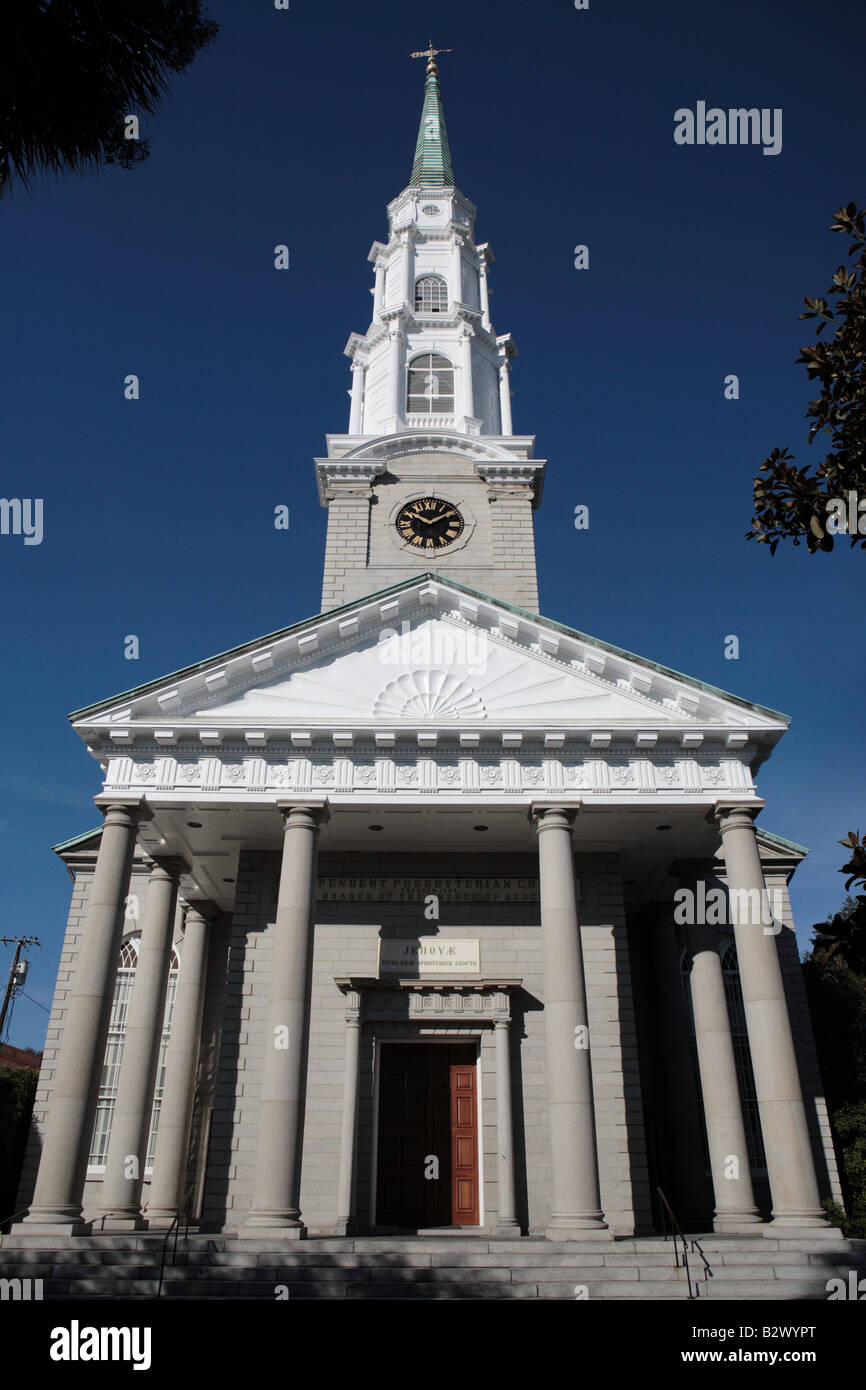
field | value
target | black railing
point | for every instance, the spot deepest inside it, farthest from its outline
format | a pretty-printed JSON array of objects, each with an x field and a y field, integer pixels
[
  {"x": 681, "y": 1246},
  {"x": 174, "y": 1229},
  {"x": 14, "y": 1217}
]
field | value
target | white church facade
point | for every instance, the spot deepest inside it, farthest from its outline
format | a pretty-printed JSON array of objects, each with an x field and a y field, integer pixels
[{"x": 429, "y": 913}]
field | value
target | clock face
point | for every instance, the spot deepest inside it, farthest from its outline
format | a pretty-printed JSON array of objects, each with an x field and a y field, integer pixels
[{"x": 429, "y": 523}]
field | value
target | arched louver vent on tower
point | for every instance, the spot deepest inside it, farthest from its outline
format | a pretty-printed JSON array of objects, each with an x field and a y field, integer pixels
[
  {"x": 431, "y": 295},
  {"x": 431, "y": 385}
]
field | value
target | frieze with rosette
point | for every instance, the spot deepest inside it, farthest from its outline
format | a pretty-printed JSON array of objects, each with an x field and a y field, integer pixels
[{"x": 430, "y": 772}]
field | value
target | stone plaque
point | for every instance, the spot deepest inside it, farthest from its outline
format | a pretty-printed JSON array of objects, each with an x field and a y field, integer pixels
[{"x": 429, "y": 955}]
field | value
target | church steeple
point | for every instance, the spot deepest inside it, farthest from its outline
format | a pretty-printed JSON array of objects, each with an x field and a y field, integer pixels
[
  {"x": 432, "y": 166},
  {"x": 430, "y": 472}
]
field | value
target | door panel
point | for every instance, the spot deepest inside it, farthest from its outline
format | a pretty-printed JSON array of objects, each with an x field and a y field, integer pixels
[
  {"x": 464, "y": 1142},
  {"x": 427, "y": 1110}
]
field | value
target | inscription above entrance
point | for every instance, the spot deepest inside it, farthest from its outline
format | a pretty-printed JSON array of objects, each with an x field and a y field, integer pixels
[
  {"x": 429, "y": 955},
  {"x": 407, "y": 890}
]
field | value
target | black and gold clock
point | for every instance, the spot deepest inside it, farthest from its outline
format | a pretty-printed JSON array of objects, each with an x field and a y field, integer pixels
[{"x": 430, "y": 523}]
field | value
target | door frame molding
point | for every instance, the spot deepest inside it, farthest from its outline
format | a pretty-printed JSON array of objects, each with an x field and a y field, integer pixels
[{"x": 423, "y": 1011}]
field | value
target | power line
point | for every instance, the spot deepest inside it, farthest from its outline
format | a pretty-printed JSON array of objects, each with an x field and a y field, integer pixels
[{"x": 35, "y": 1001}]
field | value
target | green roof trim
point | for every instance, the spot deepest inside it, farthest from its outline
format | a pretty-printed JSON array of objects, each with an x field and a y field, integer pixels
[
  {"x": 780, "y": 840},
  {"x": 432, "y": 166},
  {"x": 76, "y": 840},
  {"x": 427, "y": 577}
]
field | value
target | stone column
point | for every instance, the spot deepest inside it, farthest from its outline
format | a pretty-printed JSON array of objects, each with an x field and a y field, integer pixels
[
  {"x": 276, "y": 1204},
  {"x": 379, "y": 291},
  {"x": 790, "y": 1166},
  {"x": 576, "y": 1207},
  {"x": 395, "y": 373},
  {"x": 507, "y": 1225},
  {"x": 348, "y": 1139},
  {"x": 456, "y": 274},
  {"x": 406, "y": 265},
  {"x": 167, "y": 1188},
  {"x": 723, "y": 1113},
  {"x": 484, "y": 289},
  {"x": 60, "y": 1182},
  {"x": 505, "y": 397},
  {"x": 358, "y": 373},
  {"x": 130, "y": 1125},
  {"x": 466, "y": 389}
]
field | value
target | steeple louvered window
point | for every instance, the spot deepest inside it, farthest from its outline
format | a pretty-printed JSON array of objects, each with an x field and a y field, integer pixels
[
  {"x": 431, "y": 385},
  {"x": 431, "y": 295}
]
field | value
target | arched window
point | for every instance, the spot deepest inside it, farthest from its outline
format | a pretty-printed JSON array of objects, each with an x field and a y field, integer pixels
[
  {"x": 158, "y": 1089},
  {"x": 114, "y": 1053},
  {"x": 431, "y": 295},
  {"x": 431, "y": 385}
]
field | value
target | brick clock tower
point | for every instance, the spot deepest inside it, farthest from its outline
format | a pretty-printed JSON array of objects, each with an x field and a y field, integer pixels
[{"x": 430, "y": 476}]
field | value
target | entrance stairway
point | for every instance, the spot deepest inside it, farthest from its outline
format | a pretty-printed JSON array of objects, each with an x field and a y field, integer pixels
[{"x": 426, "y": 1267}]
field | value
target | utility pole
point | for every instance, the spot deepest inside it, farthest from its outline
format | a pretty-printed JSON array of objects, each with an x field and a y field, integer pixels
[{"x": 18, "y": 973}]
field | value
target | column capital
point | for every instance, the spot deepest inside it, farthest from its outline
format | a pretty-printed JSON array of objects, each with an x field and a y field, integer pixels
[
  {"x": 202, "y": 908},
  {"x": 559, "y": 814},
  {"x": 119, "y": 809},
  {"x": 736, "y": 814},
  {"x": 169, "y": 865},
  {"x": 305, "y": 811}
]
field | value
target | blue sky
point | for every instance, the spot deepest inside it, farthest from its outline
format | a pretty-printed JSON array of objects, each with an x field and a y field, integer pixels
[{"x": 297, "y": 127}]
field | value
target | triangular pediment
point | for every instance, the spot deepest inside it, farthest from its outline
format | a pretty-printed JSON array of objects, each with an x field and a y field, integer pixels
[
  {"x": 428, "y": 653},
  {"x": 436, "y": 669}
]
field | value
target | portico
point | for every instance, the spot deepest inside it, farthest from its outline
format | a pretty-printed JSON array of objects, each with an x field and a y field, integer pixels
[{"x": 304, "y": 914}]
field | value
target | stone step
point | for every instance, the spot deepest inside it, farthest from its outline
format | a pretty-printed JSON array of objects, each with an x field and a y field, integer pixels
[{"x": 468, "y": 1268}]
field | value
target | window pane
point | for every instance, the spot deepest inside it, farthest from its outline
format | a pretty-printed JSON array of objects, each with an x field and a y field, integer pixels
[
  {"x": 431, "y": 295},
  {"x": 431, "y": 384}
]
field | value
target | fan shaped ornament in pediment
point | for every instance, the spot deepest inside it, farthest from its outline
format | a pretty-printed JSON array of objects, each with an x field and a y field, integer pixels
[{"x": 429, "y": 694}]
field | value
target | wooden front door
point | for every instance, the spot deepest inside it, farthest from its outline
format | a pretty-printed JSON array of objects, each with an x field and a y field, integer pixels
[{"x": 428, "y": 1136}]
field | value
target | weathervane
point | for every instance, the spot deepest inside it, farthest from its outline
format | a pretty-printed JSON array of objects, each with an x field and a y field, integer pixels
[{"x": 430, "y": 54}]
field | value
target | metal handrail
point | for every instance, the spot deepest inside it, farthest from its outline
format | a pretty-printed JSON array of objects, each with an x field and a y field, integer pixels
[
  {"x": 181, "y": 1213},
  {"x": 676, "y": 1231},
  {"x": 708, "y": 1273},
  {"x": 14, "y": 1217}
]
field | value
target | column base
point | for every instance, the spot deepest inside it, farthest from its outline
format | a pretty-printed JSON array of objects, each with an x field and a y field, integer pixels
[
  {"x": 578, "y": 1228},
  {"x": 115, "y": 1223},
  {"x": 345, "y": 1228},
  {"x": 737, "y": 1223},
  {"x": 509, "y": 1229},
  {"x": 272, "y": 1225},
  {"x": 249, "y": 1231},
  {"x": 29, "y": 1227},
  {"x": 160, "y": 1218},
  {"x": 801, "y": 1226}
]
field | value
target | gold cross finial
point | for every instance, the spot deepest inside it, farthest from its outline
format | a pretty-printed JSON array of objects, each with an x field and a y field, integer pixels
[{"x": 430, "y": 54}]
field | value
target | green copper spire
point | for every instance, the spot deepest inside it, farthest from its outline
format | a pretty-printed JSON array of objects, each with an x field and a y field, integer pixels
[{"x": 432, "y": 166}]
